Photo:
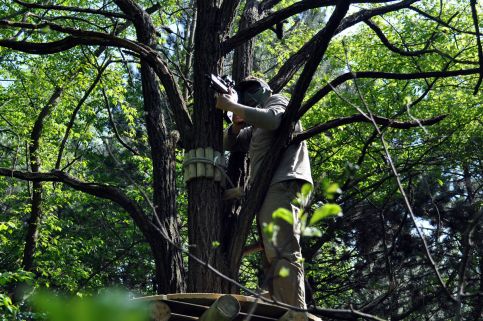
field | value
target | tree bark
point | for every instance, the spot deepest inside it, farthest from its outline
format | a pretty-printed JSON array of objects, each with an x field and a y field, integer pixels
[
  {"x": 242, "y": 67},
  {"x": 31, "y": 237},
  {"x": 205, "y": 207},
  {"x": 168, "y": 260}
]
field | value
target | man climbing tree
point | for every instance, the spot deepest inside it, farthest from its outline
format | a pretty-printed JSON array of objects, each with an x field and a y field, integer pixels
[{"x": 253, "y": 102}]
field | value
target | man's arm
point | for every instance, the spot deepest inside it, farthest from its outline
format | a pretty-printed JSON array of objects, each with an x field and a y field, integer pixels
[{"x": 267, "y": 118}]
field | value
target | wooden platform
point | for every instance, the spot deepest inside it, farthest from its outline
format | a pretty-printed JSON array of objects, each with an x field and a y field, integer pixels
[{"x": 190, "y": 306}]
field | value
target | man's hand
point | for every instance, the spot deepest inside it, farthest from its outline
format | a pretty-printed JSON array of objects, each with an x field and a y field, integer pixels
[{"x": 225, "y": 101}]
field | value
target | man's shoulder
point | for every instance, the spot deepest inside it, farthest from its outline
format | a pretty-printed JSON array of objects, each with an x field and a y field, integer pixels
[{"x": 276, "y": 100}]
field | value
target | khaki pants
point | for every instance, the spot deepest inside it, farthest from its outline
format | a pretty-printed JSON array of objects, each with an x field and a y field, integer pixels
[{"x": 284, "y": 252}]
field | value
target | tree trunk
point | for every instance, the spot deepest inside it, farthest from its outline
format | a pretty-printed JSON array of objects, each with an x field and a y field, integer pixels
[
  {"x": 238, "y": 162},
  {"x": 168, "y": 259},
  {"x": 31, "y": 237},
  {"x": 206, "y": 221}
]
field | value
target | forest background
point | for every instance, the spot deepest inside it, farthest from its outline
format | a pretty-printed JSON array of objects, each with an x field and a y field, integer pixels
[{"x": 100, "y": 101}]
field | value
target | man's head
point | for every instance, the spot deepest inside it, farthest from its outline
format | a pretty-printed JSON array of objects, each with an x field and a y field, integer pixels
[{"x": 253, "y": 91}]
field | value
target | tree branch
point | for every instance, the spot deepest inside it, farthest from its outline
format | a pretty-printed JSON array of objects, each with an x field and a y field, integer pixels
[
  {"x": 74, "y": 113},
  {"x": 100, "y": 190},
  {"x": 108, "y": 14},
  {"x": 379, "y": 75},
  {"x": 228, "y": 11},
  {"x": 268, "y": 4},
  {"x": 358, "y": 118},
  {"x": 438, "y": 20},
  {"x": 295, "y": 62},
  {"x": 315, "y": 57},
  {"x": 393, "y": 48},
  {"x": 478, "y": 41},
  {"x": 279, "y": 16},
  {"x": 269, "y": 21},
  {"x": 82, "y": 37},
  {"x": 114, "y": 127}
]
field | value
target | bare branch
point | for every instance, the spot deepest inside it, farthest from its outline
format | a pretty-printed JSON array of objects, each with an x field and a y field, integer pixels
[
  {"x": 271, "y": 20},
  {"x": 276, "y": 17},
  {"x": 358, "y": 118},
  {"x": 315, "y": 57}
]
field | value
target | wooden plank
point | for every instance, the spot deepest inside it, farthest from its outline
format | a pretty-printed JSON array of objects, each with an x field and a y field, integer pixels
[
  {"x": 246, "y": 303},
  {"x": 194, "y": 304},
  {"x": 191, "y": 309},
  {"x": 180, "y": 317},
  {"x": 210, "y": 169},
  {"x": 254, "y": 317},
  {"x": 186, "y": 308}
]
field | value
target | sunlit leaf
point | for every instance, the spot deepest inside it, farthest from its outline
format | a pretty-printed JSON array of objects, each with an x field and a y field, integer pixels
[
  {"x": 284, "y": 214},
  {"x": 325, "y": 211}
]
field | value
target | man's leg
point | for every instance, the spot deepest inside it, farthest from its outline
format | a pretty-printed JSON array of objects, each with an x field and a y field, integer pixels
[{"x": 284, "y": 254}]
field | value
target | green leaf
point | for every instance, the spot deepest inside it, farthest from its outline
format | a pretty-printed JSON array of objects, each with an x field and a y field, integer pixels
[
  {"x": 306, "y": 189},
  {"x": 270, "y": 230},
  {"x": 333, "y": 189},
  {"x": 284, "y": 272},
  {"x": 312, "y": 231},
  {"x": 440, "y": 182},
  {"x": 215, "y": 244},
  {"x": 283, "y": 214},
  {"x": 325, "y": 211}
]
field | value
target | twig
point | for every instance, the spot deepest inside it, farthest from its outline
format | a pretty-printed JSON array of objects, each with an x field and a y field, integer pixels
[
  {"x": 114, "y": 127},
  {"x": 76, "y": 110}
]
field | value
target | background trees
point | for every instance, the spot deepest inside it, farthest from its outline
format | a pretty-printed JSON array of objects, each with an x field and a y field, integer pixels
[{"x": 93, "y": 132}]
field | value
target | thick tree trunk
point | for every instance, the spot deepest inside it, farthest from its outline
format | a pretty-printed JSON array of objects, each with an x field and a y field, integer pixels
[
  {"x": 205, "y": 219},
  {"x": 168, "y": 259}
]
